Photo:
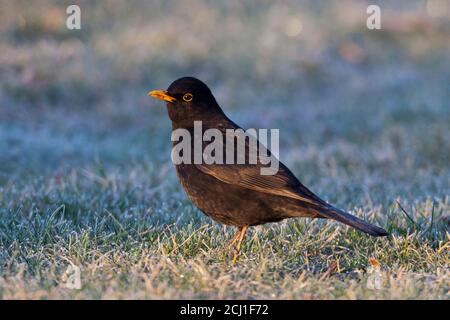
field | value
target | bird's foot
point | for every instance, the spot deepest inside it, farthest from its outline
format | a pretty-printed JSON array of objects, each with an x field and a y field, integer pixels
[
  {"x": 235, "y": 257},
  {"x": 240, "y": 235}
]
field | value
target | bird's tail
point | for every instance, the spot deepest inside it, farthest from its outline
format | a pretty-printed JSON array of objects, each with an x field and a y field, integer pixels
[{"x": 352, "y": 221}]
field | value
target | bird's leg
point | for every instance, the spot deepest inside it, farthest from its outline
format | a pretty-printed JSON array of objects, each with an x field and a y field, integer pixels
[
  {"x": 236, "y": 236},
  {"x": 242, "y": 231}
]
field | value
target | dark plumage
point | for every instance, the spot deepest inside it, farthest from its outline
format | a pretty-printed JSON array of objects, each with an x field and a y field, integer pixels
[{"x": 237, "y": 194}]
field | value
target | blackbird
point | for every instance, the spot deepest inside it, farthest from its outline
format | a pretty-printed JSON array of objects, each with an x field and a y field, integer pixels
[{"x": 238, "y": 194}]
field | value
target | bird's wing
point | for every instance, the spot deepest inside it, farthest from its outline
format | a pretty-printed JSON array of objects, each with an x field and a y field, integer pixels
[
  {"x": 249, "y": 176},
  {"x": 282, "y": 183}
]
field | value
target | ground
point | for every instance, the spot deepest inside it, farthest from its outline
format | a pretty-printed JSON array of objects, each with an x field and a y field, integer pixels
[{"x": 85, "y": 172}]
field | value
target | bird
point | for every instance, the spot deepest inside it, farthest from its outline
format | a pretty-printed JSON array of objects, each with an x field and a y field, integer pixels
[{"x": 239, "y": 195}]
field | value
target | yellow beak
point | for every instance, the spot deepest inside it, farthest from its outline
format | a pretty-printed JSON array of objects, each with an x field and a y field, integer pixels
[{"x": 162, "y": 95}]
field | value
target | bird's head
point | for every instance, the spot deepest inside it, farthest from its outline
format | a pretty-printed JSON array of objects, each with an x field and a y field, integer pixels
[{"x": 188, "y": 99}]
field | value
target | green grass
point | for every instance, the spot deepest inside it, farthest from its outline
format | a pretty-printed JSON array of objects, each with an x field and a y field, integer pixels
[
  {"x": 85, "y": 172},
  {"x": 136, "y": 236}
]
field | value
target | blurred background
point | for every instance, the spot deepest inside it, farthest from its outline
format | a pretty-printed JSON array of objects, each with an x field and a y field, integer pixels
[{"x": 367, "y": 109}]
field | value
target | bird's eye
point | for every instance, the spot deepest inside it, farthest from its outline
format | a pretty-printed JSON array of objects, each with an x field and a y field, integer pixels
[{"x": 188, "y": 97}]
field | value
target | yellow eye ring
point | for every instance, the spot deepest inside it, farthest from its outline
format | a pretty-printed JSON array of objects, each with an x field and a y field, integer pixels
[{"x": 188, "y": 97}]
